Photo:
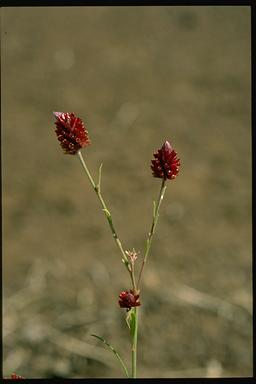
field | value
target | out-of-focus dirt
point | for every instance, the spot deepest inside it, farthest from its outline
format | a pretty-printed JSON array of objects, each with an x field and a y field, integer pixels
[{"x": 137, "y": 76}]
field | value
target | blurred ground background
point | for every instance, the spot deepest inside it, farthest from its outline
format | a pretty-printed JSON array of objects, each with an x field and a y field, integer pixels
[{"x": 137, "y": 76}]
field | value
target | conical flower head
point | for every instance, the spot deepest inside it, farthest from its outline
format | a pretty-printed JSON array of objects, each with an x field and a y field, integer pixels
[
  {"x": 165, "y": 164},
  {"x": 71, "y": 132},
  {"x": 128, "y": 299}
]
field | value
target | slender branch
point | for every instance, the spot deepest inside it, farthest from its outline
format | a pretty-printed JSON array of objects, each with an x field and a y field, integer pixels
[
  {"x": 133, "y": 278},
  {"x": 106, "y": 211},
  {"x": 134, "y": 344},
  {"x": 152, "y": 229}
]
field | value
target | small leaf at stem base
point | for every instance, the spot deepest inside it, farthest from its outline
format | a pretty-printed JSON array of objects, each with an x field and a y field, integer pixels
[{"x": 131, "y": 321}]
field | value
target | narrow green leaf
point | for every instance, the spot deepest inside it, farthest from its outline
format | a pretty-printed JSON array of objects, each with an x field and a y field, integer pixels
[
  {"x": 106, "y": 212},
  {"x": 99, "y": 181},
  {"x": 132, "y": 322},
  {"x": 128, "y": 319},
  {"x": 115, "y": 353},
  {"x": 154, "y": 208}
]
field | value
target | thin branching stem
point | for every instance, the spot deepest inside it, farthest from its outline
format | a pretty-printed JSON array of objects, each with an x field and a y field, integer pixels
[
  {"x": 106, "y": 211},
  {"x": 152, "y": 229}
]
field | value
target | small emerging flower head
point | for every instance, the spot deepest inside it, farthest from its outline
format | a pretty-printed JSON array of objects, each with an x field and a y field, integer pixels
[
  {"x": 128, "y": 299},
  {"x": 166, "y": 164},
  {"x": 71, "y": 132},
  {"x": 133, "y": 255}
]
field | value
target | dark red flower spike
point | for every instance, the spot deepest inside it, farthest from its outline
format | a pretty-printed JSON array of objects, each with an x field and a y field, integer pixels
[
  {"x": 166, "y": 164},
  {"x": 71, "y": 132}
]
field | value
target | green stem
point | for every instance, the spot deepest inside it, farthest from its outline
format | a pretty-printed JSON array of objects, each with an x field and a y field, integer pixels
[
  {"x": 153, "y": 227},
  {"x": 129, "y": 266},
  {"x": 134, "y": 344},
  {"x": 148, "y": 245},
  {"x": 106, "y": 211}
]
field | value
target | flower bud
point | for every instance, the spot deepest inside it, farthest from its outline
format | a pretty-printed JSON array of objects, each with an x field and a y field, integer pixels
[{"x": 133, "y": 255}]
